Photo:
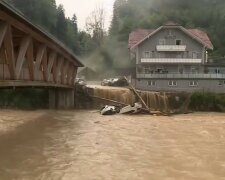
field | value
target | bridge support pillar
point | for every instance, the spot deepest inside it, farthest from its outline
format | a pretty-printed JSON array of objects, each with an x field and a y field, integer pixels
[{"x": 61, "y": 98}]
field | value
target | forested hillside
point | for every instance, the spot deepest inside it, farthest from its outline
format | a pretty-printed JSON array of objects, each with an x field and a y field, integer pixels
[
  {"x": 208, "y": 15},
  {"x": 108, "y": 50},
  {"x": 46, "y": 14}
]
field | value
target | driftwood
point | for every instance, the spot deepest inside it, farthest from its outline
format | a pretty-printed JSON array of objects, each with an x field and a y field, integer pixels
[
  {"x": 159, "y": 113},
  {"x": 119, "y": 103},
  {"x": 138, "y": 95},
  {"x": 146, "y": 109},
  {"x": 110, "y": 100}
]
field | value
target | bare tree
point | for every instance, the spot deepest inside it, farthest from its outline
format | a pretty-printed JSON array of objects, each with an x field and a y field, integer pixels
[{"x": 95, "y": 24}]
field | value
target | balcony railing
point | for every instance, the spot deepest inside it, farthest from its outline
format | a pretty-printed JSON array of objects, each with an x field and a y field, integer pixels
[
  {"x": 182, "y": 76},
  {"x": 171, "y": 48},
  {"x": 171, "y": 60}
]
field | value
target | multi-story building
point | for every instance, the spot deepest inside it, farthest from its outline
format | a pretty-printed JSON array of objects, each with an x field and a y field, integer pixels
[{"x": 173, "y": 58}]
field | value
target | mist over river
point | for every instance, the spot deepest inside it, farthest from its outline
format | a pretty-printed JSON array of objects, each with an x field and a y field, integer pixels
[{"x": 83, "y": 145}]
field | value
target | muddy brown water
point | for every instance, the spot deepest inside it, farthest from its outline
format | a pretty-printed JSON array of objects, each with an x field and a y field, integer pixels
[{"x": 83, "y": 145}]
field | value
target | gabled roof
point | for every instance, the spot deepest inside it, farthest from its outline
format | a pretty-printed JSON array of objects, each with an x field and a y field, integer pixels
[
  {"x": 202, "y": 35},
  {"x": 138, "y": 36}
]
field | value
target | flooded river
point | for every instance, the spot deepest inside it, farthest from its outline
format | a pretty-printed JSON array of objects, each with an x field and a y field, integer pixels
[{"x": 82, "y": 145}]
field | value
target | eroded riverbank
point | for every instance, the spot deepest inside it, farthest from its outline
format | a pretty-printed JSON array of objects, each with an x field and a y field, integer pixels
[{"x": 85, "y": 145}]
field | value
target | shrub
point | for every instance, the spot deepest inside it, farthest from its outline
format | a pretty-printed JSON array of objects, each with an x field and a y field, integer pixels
[{"x": 205, "y": 101}]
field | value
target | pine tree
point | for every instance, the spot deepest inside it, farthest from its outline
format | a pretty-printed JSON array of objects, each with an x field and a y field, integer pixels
[
  {"x": 118, "y": 8},
  {"x": 74, "y": 21},
  {"x": 61, "y": 24}
]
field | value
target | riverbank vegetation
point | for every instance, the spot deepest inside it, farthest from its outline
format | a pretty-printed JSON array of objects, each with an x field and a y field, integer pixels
[
  {"x": 205, "y": 101},
  {"x": 31, "y": 98}
]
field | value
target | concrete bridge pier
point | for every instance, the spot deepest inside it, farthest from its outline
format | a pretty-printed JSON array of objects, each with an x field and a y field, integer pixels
[{"x": 61, "y": 98}]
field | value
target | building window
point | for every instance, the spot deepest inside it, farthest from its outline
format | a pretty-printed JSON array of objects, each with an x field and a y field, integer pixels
[
  {"x": 162, "y": 41},
  {"x": 151, "y": 83},
  {"x": 172, "y": 83},
  {"x": 153, "y": 54},
  {"x": 147, "y": 69},
  {"x": 159, "y": 69},
  {"x": 178, "y": 42},
  {"x": 193, "y": 83},
  {"x": 146, "y": 54},
  {"x": 194, "y": 55},
  {"x": 217, "y": 71},
  {"x": 180, "y": 69},
  {"x": 220, "y": 83},
  {"x": 187, "y": 54},
  {"x": 194, "y": 70}
]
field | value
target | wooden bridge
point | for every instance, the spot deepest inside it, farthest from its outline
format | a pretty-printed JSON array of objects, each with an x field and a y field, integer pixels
[{"x": 30, "y": 57}]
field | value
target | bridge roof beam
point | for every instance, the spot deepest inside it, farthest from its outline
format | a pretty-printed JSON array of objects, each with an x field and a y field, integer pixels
[
  {"x": 39, "y": 57},
  {"x": 8, "y": 42},
  {"x": 21, "y": 57},
  {"x": 30, "y": 59},
  {"x": 3, "y": 30},
  {"x": 51, "y": 61}
]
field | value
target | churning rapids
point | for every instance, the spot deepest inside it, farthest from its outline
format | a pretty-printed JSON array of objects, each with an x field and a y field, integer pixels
[{"x": 83, "y": 145}]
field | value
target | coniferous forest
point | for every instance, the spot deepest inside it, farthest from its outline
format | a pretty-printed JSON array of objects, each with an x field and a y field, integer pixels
[{"x": 103, "y": 49}]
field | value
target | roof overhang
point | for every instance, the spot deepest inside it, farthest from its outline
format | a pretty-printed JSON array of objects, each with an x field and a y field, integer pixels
[
  {"x": 20, "y": 17},
  {"x": 173, "y": 27}
]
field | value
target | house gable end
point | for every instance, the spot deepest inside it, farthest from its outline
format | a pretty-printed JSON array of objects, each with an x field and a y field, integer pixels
[{"x": 136, "y": 38}]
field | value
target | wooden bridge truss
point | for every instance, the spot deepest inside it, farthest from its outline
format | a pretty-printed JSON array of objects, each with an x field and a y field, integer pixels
[{"x": 31, "y": 57}]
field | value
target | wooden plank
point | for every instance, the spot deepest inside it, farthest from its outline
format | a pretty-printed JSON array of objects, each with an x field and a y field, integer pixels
[
  {"x": 44, "y": 66},
  {"x": 21, "y": 56},
  {"x": 2, "y": 55},
  {"x": 59, "y": 68},
  {"x": 69, "y": 74},
  {"x": 40, "y": 54},
  {"x": 3, "y": 29},
  {"x": 2, "y": 62},
  {"x": 63, "y": 72},
  {"x": 137, "y": 94},
  {"x": 74, "y": 75},
  {"x": 66, "y": 67},
  {"x": 54, "y": 70},
  {"x": 51, "y": 61},
  {"x": 110, "y": 100},
  {"x": 30, "y": 59},
  {"x": 10, "y": 56},
  {"x": 73, "y": 69}
]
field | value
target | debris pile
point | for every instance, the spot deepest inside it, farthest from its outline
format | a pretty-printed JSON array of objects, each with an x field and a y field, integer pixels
[{"x": 111, "y": 110}]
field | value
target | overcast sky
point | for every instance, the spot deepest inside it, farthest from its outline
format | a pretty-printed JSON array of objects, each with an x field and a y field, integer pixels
[{"x": 83, "y": 8}]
